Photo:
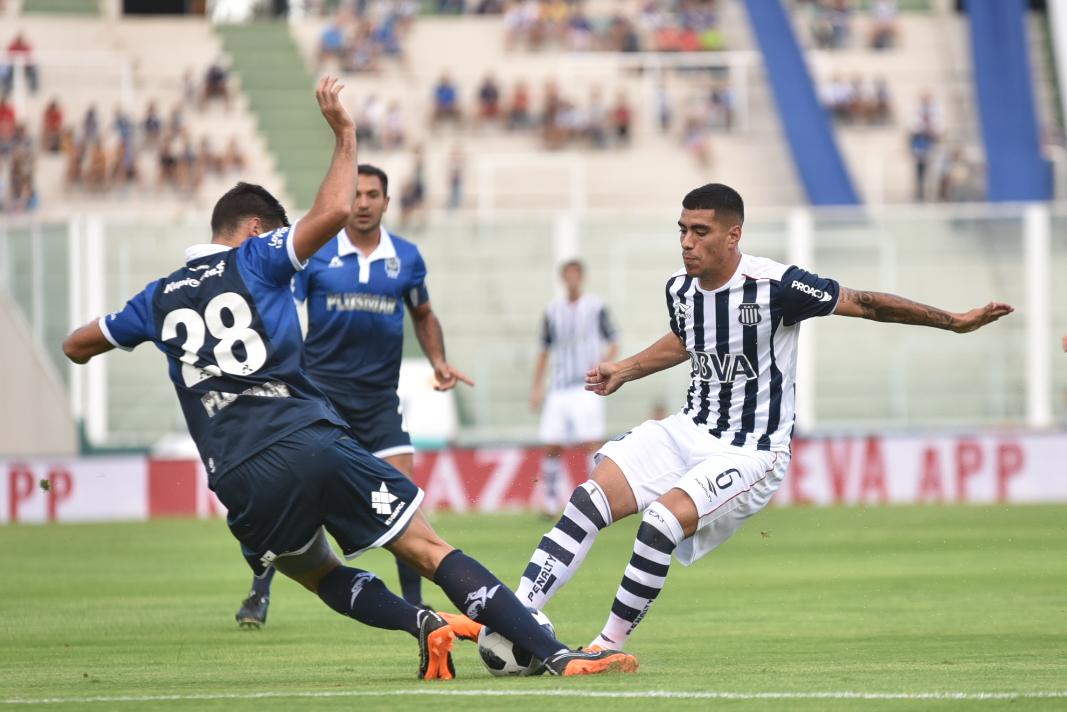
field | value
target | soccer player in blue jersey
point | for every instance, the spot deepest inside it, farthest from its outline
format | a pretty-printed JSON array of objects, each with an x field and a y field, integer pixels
[
  {"x": 277, "y": 454},
  {"x": 697, "y": 475},
  {"x": 356, "y": 289}
]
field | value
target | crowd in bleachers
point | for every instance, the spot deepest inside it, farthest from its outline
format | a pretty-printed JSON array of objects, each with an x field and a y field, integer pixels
[
  {"x": 858, "y": 101},
  {"x": 831, "y": 23},
  {"x": 112, "y": 154},
  {"x": 363, "y": 34}
]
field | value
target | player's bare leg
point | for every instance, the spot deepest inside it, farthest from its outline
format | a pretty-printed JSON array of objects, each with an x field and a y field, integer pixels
[
  {"x": 605, "y": 498},
  {"x": 669, "y": 520},
  {"x": 483, "y": 598},
  {"x": 410, "y": 580}
]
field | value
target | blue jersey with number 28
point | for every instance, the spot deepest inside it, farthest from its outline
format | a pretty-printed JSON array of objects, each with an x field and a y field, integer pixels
[{"x": 229, "y": 328}]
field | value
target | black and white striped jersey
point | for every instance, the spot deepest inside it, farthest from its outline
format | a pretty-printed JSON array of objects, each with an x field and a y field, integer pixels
[
  {"x": 575, "y": 335},
  {"x": 742, "y": 344}
]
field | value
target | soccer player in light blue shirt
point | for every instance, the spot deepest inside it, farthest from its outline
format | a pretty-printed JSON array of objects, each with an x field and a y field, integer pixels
[{"x": 356, "y": 289}]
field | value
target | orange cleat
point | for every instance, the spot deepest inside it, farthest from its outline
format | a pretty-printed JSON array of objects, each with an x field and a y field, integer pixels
[
  {"x": 462, "y": 626},
  {"x": 435, "y": 648},
  {"x": 567, "y": 663}
]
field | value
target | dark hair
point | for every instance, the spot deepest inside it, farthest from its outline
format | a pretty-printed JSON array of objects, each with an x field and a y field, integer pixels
[
  {"x": 718, "y": 197},
  {"x": 366, "y": 169},
  {"x": 576, "y": 264},
  {"x": 243, "y": 201}
]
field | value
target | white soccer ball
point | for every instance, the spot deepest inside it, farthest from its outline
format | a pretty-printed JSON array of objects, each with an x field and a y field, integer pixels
[{"x": 503, "y": 658}]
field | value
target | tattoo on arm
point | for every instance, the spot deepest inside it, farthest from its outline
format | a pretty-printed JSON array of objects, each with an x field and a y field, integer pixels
[{"x": 879, "y": 306}]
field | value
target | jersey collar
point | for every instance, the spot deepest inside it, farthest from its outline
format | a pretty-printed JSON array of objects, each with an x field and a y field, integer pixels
[
  {"x": 383, "y": 251},
  {"x": 197, "y": 252}
]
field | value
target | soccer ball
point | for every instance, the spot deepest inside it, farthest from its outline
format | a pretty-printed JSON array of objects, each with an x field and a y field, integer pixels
[{"x": 503, "y": 658}]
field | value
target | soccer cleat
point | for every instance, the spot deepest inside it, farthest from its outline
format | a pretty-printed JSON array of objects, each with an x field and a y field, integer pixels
[
  {"x": 435, "y": 647},
  {"x": 586, "y": 662},
  {"x": 252, "y": 615},
  {"x": 462, "y": 626}
]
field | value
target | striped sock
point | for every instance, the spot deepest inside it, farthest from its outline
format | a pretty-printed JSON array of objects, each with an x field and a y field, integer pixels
[
  {"x": 563, "y": 549},
  {"x": 659, "y": 535}
]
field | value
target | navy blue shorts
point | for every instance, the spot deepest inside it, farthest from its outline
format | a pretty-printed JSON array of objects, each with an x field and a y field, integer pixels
[
  {"x": 375, "y": 421},
  {"x": 317, "y": 477}
]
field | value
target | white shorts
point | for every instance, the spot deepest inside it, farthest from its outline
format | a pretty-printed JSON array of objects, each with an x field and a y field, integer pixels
[
  {"x": 728, "y": 484},
  {"x": 572, "y": 416}
]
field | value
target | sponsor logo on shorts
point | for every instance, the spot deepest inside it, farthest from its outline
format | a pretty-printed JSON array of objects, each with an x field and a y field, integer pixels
[
  {"x": 721, "y": 481},
  {"x": 396, "y": 513},
  {"x": 476, "y": 601},
  {"x": 382, "y": 500}
]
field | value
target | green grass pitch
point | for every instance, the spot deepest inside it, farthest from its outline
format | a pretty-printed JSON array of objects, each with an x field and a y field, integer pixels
[{"x": 892, "y": 600}]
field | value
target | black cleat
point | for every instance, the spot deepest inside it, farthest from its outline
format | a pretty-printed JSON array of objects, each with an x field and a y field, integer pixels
[
  {"x": 252, "y": 615},
  {"x": 435, "y": 647},
  {"x": 590, "y": 662}
]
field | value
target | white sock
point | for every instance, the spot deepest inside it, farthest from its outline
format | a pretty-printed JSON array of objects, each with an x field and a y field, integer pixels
[
  {"x": 562, "y": 551},
  {"x": 658, "y": 536}
]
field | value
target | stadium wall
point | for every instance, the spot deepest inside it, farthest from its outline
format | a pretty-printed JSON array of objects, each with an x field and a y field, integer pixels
[{"x": 985, "y": 468}]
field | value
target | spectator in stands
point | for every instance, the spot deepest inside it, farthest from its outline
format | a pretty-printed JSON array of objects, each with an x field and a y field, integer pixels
[
  {"x": 921, "y": 144},
  {"x": 580, "y": 35},
  {"x": 883, "y": 24},
  {"x": 176, "y": 122},
  {"x": 361, "y": 54},
  {"x": 518, "y": 111},
  {"x": 489, "y": 99},
  {"x": 446, "y": 101},
  {"x": 233, "y": 159},
  {"x": 831, "y": 23},
  {"x": 23, "y": 193},
  {"x": 190, "y": 94},
  {"x": 124, "y": 173},
  {"x": 20, "y": 53},
  {"x": 95, "y": 176},
  {"x": 151, "y": 126},
  {"x": 209, "y": 162},
  {"x": 332, "y": 42},
  {"x": 413, "y": 192},
  {"x": 721, "y": 107},
  {"x": 393, "y": 133},
  {"x": 954, "y": 177},
  {"x": 216, "y": 84},
  {"x": 622, "y": 115},
  {"x": 881, "y": 111},
  {"x": 457, "y": 163},
  {"x": 74, "y": 151},
  {"x": 52, "y": 127},
  {"x": 7, "y": 127},
  {"x": 664, "y": 108},
  {"x": 90, "y": 125},
  {"x": 597, "y": 119},
  {"x": 170, "y": 168},
  {"x": 123, "y": 125}
]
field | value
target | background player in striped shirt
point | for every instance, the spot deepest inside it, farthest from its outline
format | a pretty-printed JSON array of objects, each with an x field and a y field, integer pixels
[
  {"x": 356, "y": 289},
  {"x": 576, "y": 334},
  {"x": 277, "y": 454},
  {"x": 697, "y": 475}
]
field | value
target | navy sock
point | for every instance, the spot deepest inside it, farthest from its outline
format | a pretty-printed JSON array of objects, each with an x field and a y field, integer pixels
[
  {"x": 477, "y": 592},
  {"x": 410, "y": 583},
  {"x": 363, "y": 596},
  {"x": 262, "y": 585}
]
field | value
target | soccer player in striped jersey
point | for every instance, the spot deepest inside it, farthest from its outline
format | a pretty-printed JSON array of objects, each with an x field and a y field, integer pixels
[
  {"x": 696, "y": 476},
  {"x": 277, "y": 453},
  {"x": 576, "y": 335}
]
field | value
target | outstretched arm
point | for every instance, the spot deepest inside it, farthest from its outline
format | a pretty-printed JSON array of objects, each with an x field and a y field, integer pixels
[
  {"x": 609, "y": 376},
  {"x": 85, "y": 342},
  {"x": 333, "y": 203},
  {"x": 879, "y": 306},
  {"x": 432, "y": 339}
]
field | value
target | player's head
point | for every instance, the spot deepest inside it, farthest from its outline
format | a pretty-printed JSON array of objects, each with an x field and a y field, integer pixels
[
  {"x": 372, "y": 199},
  {"x": 710, "y": 227},
  {"x": 244, "y": 211},
  {"x": 572, "y": 272}
]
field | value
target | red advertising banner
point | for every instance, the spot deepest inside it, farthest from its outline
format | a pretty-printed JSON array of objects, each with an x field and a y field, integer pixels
[{"x": 984, "y": 468}]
